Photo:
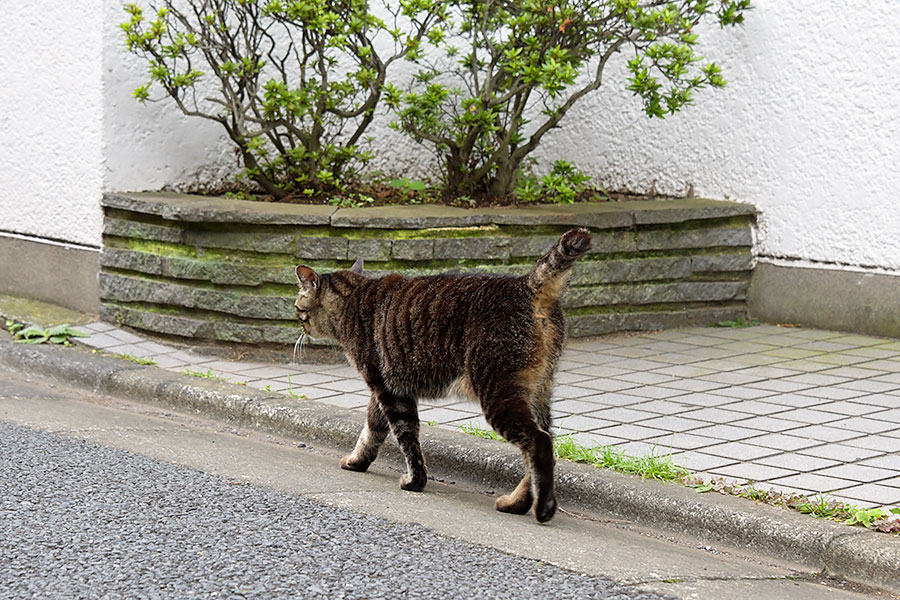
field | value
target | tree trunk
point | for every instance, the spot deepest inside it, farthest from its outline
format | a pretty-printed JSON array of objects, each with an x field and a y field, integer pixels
[{"x": 504, "y": 182}]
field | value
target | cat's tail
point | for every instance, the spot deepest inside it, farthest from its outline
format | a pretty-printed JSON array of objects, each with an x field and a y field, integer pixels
[{"x": 551, "y": 273}]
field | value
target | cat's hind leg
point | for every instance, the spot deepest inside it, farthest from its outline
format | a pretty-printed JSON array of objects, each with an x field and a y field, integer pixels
[
  {"x": 370, "y": 439},
  {"x": 519, "y": 501},
  {"x": 510, "y": 414}
]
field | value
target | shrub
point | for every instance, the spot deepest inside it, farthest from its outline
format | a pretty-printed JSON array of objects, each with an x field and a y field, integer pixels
[
  {"x": 294, "y": 83},
  {"x": 508, "y": 71}
]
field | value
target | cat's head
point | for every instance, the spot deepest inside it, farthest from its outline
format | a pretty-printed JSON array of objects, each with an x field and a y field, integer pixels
[{"x": 318, "y": 304}]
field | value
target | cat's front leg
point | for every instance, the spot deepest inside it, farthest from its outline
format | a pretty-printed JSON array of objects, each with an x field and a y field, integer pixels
[
  {"x": 370, "y": 438},
  {"x": 403, "y": 415}
]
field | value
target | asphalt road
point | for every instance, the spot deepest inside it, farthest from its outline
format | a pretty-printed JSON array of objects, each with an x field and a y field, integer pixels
[
  {"x": 84, "y": 521},
  {"x": 101, "y": 498}
]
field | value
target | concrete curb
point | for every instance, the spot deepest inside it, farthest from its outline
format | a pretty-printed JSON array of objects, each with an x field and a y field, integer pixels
[{"x": 853, "y": 553}]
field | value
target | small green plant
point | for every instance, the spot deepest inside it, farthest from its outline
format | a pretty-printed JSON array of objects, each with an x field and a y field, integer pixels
[
  {"x": 738, "y": 323},
  {"x": 358, "y": 201},
  {"x": 34, "y": 334},
  {"x": 651, "y": 466},
  {"x": 478, "y": 431},
  {"x": 562, "y": 184},
  {"x": 290, "y": 390},
  {"x": 410, "y": 189},
  {"x": 137, "y": 359},
  {"x": 885, "y": 520},
  {"x": 431, "y": 423},
  {"x": 204, "y": 375}
]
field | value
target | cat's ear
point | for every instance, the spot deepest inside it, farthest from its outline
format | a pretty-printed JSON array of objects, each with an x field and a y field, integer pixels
[
  {"x": 307, "y": 278},
  {"x": 357, "y": 267}
]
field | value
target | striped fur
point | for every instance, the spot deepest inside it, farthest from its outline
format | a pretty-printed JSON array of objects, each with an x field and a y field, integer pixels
[{"x": 494, "y": 339}]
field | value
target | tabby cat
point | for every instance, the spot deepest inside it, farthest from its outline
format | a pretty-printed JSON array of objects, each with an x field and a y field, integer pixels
[{"x": 494, "y": 339}]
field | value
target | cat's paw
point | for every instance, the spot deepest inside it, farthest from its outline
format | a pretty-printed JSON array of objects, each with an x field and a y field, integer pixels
[
  {"x": 413, "y": 484},
  {"x": 349, "y": 463},
  {"x": 513, "y": 504},
  {"x": 545, "y": 508}
]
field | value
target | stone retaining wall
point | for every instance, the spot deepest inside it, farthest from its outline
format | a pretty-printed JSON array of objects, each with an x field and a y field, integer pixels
[{"x": 220, "y": 269}]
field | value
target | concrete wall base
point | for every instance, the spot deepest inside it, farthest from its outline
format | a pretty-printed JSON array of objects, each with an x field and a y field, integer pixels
[
  {"x": 864, "y": 303},
  {"x": 60, "y": 274}
]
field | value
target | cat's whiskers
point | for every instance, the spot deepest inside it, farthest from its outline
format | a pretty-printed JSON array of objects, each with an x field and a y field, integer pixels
[{"x": 298, "y": 346}]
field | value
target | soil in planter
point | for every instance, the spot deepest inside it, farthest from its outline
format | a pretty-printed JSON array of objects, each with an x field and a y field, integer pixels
[{"x": 404, "y": 192}]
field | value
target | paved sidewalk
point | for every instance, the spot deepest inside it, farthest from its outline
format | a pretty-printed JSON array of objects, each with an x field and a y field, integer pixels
[{"x": 796, "y": 410}]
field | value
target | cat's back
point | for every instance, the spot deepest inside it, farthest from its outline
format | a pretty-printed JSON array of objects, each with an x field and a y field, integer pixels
[{"x": 426, "y": 327}]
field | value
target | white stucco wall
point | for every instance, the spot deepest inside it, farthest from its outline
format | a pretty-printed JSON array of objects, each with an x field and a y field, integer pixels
[
  {"x": 51, "y": 105},
  {"x": 808, "y": 129}
]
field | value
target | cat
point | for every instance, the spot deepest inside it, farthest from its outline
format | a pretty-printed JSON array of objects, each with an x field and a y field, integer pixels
[{"x": 494, "y": 339}]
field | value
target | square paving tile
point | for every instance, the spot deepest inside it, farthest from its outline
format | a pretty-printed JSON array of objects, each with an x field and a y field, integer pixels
[
  {"x": 757, "y": 407},
  {"x": 706, "y": 399},
  {"x": 892, "y": 415},
  {"x": 314, "y": 393},
  {"x": 831, "y": 393},
  {"x": 797, "y": 462},
  {"x": 619, "y": 414},
  {"x": 840, "y": 452},
  {"x": 345, "y": 385},
  {"x": 868, "y": 385},
  {"x": 793, "y": 400},
  {"x": 698, "y": 461},
  {"x": 780, "y": 385},
  {"x": 445, "y": 415},
  {"x": 684, "y": 371},
  {"x": 782, "y": 441},
  {"x": 565, "y": 377},
  {"x": 714, "y": 415},
  {"x": 583, "y": 423},
  {"x": 599, "y": 371},
  {"x": 726, "y": 432},
  {"x": 810, "y": 416},
  {"x": 825, "y": 433},
  {"x": 645, "y": 378},
  {"x": 633, "y": 432},
  {"x": 693, "y": 385},
  {"x": 670, "y": 423},
  {"x": 101, "y": 340},
  {"x": 574, "y": 406},
  {"x": 852, "y": 372},
  {"x": 352, "y": 401},
  {"x": 125, "y": 336},
  {"x": 156, "y": 348},
  {"x": 166, "y": 361},
  {"x": 131, "y": 349},
  {"x": 872, "y": 492},
  {"x": 683, "y": 441},
  {"x": 752, "y": 472},
  {"x": 877, "y": 442},
  {"x": 740, "y": 451},
  {"x": 887, "y": 461},
  {"x": 653, "y": 392},
  {"x": 851, "y": 408},
  {"x": 270, "y": 385},
  {"x": 665, "y": 407},
  {"x": 615, "y": 399},
  {"x": 818, "y": 483},
  {"x": 731, "y": 378},
  {"x": 743, "y": 393},
  {"x": 571, "y": 391},
  {"x": 861, "y": 473},
  {"x": 594, "y": 438},
  {"x": 865, "y": 425},
  {"x": 603, "y": 384},
  {"x": 770, "y": 424}
]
